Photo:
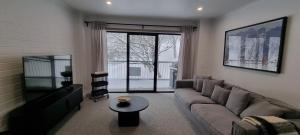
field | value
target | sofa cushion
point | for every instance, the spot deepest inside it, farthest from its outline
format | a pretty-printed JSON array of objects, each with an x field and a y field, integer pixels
[
  {"x": 238, "y": 100},
  {"x": 263, "y": 109},
  {"x": 220, "y": 95},
  {"x": 228, "y": 86},
  {"x": 189, "y": 97},
  {"x": 199, "y": 77},
  {"x": 209, "y": 85},
  {"x": 199, "y": 85},
  {"x": 254, "y": 97},
  {"x": 217, "y": 116}
]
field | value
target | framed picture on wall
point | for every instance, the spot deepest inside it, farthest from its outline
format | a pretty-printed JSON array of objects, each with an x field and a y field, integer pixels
[{"x": 256, "y": 47}]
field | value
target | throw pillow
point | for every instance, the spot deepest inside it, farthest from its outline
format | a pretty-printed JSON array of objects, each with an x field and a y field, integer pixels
[
  {"x": 209, "y": 85},
  {"x": 263, "y": 109},
  {"x": 199, "y": 84},
  {"x": 238, "y": 100},
  {"x": 220, "y": 95},
  {"x": 197, "y": 77}
]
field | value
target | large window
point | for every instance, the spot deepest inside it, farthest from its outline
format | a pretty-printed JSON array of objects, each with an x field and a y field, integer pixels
[
  {"x": 168, "y": 52},
  {"x": 117, "y": 58},
  {"x": 142, "y": 70}
]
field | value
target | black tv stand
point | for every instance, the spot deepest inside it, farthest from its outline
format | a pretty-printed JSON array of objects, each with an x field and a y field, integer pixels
[{"x": 37, "y": 117}]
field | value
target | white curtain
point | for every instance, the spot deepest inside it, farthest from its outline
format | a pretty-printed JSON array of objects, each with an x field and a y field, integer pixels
[
  {"x": 98, "y": 47},
  {"x": 91, "y": 53},
  {"x": 185, "y": 62}
]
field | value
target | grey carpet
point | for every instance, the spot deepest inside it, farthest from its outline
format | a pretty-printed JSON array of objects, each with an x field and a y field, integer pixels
[{"x": 162, "y": 117}]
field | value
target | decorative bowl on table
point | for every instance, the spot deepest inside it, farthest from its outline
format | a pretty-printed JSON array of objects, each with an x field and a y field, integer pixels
[{"x": 123, "y": 101}]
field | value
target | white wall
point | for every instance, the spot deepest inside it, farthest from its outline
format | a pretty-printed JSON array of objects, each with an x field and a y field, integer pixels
[
  {"x": 204, "y": 47},
  {"x": 30, "y": 27},
  {"x": 284, "y": 86}
]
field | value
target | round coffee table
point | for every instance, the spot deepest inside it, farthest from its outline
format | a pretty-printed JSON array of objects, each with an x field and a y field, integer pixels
[{"x": 129, "y": 115}]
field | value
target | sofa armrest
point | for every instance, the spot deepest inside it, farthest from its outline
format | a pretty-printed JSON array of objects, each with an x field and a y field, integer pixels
[
  {"x": 244, "y": 128},
  {"x": 296, "y": 122},
  {"x": 187, "y": 83}
]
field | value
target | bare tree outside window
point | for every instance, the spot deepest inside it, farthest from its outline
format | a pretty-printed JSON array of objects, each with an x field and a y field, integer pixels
[{"x": 141, "y": 49}]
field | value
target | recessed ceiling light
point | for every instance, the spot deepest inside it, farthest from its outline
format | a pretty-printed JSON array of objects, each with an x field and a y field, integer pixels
[
  {"x": 108, "y": 2},
  {"x": 199, "y": 8}
]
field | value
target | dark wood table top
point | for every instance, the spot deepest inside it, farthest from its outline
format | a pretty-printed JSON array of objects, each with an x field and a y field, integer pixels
[{"x": 136, "y": 104}]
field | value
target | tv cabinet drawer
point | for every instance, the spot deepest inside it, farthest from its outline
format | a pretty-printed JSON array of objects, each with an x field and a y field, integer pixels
[
  {"x": 74, "y": 99},
  {"x": 53, "y": 113}
]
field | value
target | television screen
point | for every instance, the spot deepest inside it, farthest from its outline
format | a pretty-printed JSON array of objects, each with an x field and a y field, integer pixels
[{"x": 47, "y": 73}]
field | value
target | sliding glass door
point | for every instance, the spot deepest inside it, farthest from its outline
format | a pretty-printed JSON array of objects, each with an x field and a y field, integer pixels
[
  {"x": 117, "y": 61},
  {"x": 168, "y": 53},
  {"x": 142, "y": 55},
  {"x": 142, "y": 62}
]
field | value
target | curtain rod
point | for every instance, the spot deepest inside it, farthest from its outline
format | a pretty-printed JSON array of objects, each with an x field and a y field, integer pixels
[{"x": 143, "y": 25}]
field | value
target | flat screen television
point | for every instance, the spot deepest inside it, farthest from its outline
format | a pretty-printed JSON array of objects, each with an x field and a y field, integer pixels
[{"x": 46, "y": 74}]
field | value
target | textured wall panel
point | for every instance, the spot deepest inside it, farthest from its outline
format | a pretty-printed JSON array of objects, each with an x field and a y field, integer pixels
[{"x": 29, "y": 27}]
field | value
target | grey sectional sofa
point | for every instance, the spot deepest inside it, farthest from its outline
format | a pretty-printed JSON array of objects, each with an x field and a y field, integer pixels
[{"x": 211, "y": 118}]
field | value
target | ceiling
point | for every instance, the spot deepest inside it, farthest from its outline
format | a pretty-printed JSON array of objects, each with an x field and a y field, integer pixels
[{"x": 176, "y": 9}]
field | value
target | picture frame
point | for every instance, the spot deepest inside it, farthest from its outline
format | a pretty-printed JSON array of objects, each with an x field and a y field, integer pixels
[{"x": 256, "y": 47}]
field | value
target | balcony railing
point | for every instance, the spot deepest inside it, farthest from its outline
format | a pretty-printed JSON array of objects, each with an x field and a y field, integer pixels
[{"x": 117, "y": 70}]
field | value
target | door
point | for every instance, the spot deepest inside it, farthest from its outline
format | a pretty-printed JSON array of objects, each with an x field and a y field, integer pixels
[
  {"x": 167, "y": 61},
  {"x": 142, "y": 62}
]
